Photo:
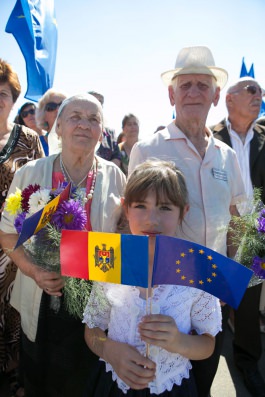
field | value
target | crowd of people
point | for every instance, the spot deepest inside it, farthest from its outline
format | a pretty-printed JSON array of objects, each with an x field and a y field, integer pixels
[{"x": 186, "y": 180}]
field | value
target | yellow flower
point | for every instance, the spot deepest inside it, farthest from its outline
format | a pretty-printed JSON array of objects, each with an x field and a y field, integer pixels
[{"x": 13, "y": 202}]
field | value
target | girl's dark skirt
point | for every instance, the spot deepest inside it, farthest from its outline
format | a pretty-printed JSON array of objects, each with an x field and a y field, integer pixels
[{"x": 102, "y": 385}]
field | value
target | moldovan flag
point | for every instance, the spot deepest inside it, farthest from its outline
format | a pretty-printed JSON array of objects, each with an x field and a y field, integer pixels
[
  {"x": 182, "y": 262},
  {"x": 107, "y": 257},
  {"x": 37, "y": 221}
]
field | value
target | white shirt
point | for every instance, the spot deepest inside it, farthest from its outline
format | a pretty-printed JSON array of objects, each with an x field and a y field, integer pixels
[
  {"x": 214, "y": 183},
  {"x": 242, "y": 150}
]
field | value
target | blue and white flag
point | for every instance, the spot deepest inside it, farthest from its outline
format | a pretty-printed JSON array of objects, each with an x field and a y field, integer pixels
[
  {"x": 251, "y": 73},
  {"x": 33, "y": 24}
]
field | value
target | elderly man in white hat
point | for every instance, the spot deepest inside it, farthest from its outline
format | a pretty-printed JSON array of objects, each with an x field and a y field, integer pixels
[
  {"x": 241, "y": 131},
  {"x": 210, "y": 167}
]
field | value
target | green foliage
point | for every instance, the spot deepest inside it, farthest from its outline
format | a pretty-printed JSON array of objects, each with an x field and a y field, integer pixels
[
  {"x": 44, "y": 250},
  {"x": 245, "y": 234}
]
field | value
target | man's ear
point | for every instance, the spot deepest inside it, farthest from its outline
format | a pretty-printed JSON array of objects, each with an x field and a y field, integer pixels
[
  {"x": 216, "y": 96},
  {"x": 171, "y": 95}
]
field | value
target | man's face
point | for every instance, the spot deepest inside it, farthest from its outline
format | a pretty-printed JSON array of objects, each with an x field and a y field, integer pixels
[
  {"x": 193, "y": 95},
  {"x": 245, "y": 99}
]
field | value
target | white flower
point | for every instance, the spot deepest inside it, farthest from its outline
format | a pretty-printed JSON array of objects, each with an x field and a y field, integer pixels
[{"x": 38, "y": 200}]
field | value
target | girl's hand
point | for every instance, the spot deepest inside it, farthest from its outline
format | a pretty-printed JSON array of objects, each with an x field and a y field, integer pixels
[
  {"x": 160, "y": 330},
  {"x": 133, "y": 368}
]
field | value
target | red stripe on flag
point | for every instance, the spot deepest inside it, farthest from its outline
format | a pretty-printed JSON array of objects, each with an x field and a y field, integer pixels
[{"x": 74, "y": 254}]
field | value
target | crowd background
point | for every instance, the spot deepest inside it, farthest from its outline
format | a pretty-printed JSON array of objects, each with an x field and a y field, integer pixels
[{"x": 135, "y": 42}]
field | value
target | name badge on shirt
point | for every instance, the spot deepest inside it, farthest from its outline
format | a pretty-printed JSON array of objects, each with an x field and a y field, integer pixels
[{"x": 219, "y": 174}]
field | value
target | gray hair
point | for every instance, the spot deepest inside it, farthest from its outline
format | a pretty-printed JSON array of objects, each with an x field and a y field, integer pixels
[
  {"x": 55, "y": 144},
  {"x": 235, "y": 83}
]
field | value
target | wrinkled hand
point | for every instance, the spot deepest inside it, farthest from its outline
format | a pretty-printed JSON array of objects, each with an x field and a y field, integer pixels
[
  {"x": 133, "y": 368},
  {"x": 50, "y": 282},
  {"x": 160, "y": 330}
]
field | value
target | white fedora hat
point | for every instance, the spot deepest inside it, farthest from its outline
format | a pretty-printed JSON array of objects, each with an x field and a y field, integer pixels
[{"x": 196, "y": 60}]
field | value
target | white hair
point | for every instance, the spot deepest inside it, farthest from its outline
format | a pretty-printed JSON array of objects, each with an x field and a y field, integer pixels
[{"x": 54, "y": 141}]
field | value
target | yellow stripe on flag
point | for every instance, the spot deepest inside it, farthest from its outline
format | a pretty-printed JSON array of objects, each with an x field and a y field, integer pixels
[
  {"x": 47, "y": 213},
  {"x": 104, "y": 257}
]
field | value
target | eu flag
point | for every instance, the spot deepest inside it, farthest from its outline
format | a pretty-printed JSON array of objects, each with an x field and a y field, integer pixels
[
  {"x": 33, "y": 24},
  {"x": 182, "y": 262}
]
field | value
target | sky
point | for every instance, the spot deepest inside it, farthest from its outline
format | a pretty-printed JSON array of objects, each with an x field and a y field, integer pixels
[{"x": 121, "y": 47}]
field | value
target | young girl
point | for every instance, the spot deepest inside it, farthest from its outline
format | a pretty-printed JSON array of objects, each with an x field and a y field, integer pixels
[{"x": 147, "y": 355}]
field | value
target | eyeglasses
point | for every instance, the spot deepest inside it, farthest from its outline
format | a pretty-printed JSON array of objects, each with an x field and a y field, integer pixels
[
  {"x": 251, "y": 89},
  {"x": 51, "y": 106},
  {"x": 25, "y": 113}
]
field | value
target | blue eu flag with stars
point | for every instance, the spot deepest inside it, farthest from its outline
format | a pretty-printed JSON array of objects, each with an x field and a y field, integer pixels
[{"x": 181, "y": 262}]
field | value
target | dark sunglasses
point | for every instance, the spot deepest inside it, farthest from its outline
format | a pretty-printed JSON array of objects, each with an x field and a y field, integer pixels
[
  {"x": 252, "y": 89},
  {"x": 25, "y": 113},
  {"x": 51, "y": 106}
]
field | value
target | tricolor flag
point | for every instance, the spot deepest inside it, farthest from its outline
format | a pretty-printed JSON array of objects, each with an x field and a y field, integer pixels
[
  {"x": 107, "y": 257},
  {"x": 182, "y": 262},
  {"x": 123, "y": 259},
  {"x": 37, "y": 221},
  {"x": 33, "y": 24}
]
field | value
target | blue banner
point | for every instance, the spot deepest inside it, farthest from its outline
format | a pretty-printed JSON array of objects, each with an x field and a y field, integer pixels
[
  {"x": 33, "y": 24},
  {"x": 185, "y": 263}
]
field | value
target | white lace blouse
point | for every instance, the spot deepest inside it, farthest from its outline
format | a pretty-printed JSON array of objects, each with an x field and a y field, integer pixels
[{"x": 119, "y": 308}]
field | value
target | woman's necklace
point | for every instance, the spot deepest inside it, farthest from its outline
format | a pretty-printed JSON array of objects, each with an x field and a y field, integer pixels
[
  {"x": 67, "y": 177},
  {"x": 91, "y": 173}
]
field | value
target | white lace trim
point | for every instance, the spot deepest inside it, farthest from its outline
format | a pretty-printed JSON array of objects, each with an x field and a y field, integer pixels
[{"x": 119, "y": 309}]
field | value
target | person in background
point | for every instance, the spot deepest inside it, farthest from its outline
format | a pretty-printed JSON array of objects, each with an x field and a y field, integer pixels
[
  {"x": 47, "y": 110},
  {"x": 54, "y": 354},
  {"x": 26, "y": 116},
  {"x": 240, "y": 131},
  {"x": 130, "y": 129},
  {"x": 209, "y": 166},
  {"x": 18, "y": 146},
  {"x": 117, "y": 327},
  {"x": 120, "y": 138},
  {"x": 108, "y": 148}
]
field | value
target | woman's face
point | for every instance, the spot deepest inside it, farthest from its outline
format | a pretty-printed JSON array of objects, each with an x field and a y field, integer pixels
[
  {"x": 28, "y": 116},
  {"x": 131, "y": 128},
  {"x": 51, "y": 109},
  {"x": 6, "y": 101},
  {"x": 80, "y": 126}
]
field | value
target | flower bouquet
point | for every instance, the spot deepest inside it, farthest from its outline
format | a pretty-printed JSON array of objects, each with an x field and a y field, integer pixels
[
  {"x": 44, "y": 246},
  {"x": 248, "y": 233}
]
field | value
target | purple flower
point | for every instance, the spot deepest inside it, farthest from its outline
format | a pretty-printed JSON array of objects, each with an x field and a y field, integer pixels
[
  {"x": 69, "y": 215},
  {"x": 19, "y": 221},
  {"x": 60, "y": 188},
  {"x": 258, "y": 266},
  {"x": 261, "y": 222}
]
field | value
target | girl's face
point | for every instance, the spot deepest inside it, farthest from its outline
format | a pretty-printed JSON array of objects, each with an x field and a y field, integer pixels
[{"x": 149, "y": 218}]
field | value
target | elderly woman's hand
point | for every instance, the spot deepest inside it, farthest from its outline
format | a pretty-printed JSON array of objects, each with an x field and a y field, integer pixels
[{"x": 50, "y": 282}]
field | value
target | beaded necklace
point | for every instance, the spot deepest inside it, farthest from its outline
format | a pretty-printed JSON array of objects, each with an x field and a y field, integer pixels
[
  {"x": 68, "y": 177},
  {"x": 92, "y": 174}
]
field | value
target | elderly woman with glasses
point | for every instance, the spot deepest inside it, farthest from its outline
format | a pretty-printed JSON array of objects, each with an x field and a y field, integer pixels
[
  {"x": 55, "y": 356},
  {"x": 18, "y": 145},
  {"x": 26, "y": 116},
  {"x": 47, "y": 110}
]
